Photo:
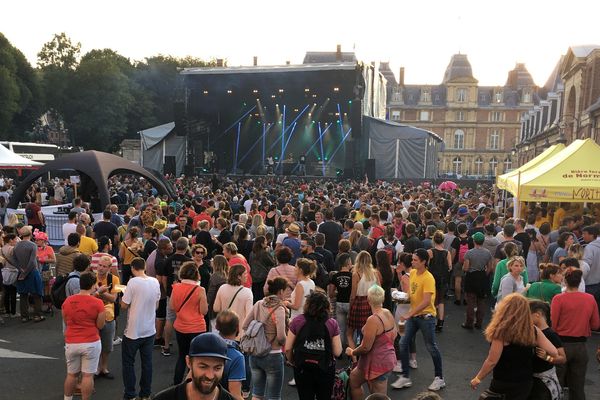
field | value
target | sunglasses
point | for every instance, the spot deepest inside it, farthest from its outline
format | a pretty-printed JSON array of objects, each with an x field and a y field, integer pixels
[{"x": 199, "y": 252}]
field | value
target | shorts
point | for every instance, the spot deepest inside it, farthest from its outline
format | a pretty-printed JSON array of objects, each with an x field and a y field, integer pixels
[
  {"x": 383, "y": 377},
  {"x": 440, "y": 292},
  {"x": 107, "y": 335},
  {"x": 170, "y": 312},
  {"x": 457, "y": 270},
  {"x": 83, "y": 357},
  {"x": 161, "y": 311}
]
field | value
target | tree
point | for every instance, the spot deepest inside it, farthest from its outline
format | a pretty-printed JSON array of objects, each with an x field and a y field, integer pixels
[
  {"x": 20, "y": 92},
  {"x": 99, "y": 100},
  {"x": 57, "y": 61}
]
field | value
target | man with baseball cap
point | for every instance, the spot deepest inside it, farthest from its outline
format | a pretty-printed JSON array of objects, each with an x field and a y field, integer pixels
[
  {"x": 477, "y": 266},
  {"x": 206, "y": 361}
]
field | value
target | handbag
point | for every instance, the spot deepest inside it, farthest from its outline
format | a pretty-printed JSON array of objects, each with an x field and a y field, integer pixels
[
  {"x": 187, "y": 298},
  {"x": 489, "y": 395},
  {"x": 9, "y": 275}
]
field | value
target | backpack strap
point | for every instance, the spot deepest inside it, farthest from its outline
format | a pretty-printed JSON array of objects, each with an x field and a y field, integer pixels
[{"x": 234, "y": 296}]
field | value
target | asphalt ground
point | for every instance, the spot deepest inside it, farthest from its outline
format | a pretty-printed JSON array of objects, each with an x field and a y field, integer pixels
[{"x": 32, "y": 363}]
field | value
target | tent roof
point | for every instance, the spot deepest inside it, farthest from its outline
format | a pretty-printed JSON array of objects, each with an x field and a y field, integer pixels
[
  {"x": 572, "y": 175},
  {"x": 404, "y": 131},
  {"x": 152, "y": 136},
  {"x": 96, "y": 165},
  {"x": 8, "y": 159},
  {"x": 503, "y": 181}
]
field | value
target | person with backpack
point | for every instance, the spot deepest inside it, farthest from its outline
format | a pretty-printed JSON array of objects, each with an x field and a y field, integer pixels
[
  {"x": 461, "y": 245},
  {"x": 107, "y": 292},
  {"x": 261, "y": 262},
  {"x": 188, "y": 300},
  {"x": 269, "y": 318},
  {"x": 376, "y": 350},
  {"x": 477, "y": 267},
  {"x": 29, "y": 281},
  {"x": 234, "y": 373},
  {"x": 390, "y": 244},
  {"x": 312, "y": 344},
  {"x": 440, "y": 265}
]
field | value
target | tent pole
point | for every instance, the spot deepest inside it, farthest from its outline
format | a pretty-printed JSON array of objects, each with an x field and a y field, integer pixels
[
  {"x": 397, "y": 155},
  {"x": 517, "y": 203}
]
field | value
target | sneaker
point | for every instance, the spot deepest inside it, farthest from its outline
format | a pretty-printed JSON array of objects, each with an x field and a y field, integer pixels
[
  {"x": 165, "y": 351},
  {"x": 6, "y": 315},
  {"x": 245, "y": 394},
  {"x": 398, "y": 367},
  {"x": 413, "y": 364},
  {"x": 292, "y": 382},
  {"x": 401, "y": 382},
  {"x": 117, "y": 341},
  {"x": 437, "y": 384}
]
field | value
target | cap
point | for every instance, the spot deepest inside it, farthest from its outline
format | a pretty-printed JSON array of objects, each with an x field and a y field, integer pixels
[
  {"x": 463, "y": 211},
  {"x": 478, "y": 237},
  {"x": 208, "y": 344}
]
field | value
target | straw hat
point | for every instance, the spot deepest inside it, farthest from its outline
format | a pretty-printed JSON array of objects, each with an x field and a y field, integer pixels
[
  {"x": 294, "y": 229},
  {"x": 160, "y": 225}
]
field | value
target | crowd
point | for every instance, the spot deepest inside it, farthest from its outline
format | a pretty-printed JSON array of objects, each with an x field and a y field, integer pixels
[{"x": 247, "y": 276}]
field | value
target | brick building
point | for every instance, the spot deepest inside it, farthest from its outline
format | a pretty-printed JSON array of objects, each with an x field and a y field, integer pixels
[{"x": 479, "y": 124}]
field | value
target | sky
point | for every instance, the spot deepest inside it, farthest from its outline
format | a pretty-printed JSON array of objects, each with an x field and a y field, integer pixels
[{"x": 420, "y": 36}]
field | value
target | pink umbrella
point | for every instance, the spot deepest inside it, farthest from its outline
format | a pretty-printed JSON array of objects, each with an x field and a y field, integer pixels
[{"x": 447, "y": 186}]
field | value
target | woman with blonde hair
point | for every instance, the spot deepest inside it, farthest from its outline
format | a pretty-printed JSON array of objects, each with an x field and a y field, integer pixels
[
  {"x": 513, "y": 281},
  {"x": 305, "y": 270},
  {"x": 513, "y": 339},
  {"x": 376, "y": 350},
  {"x": 576, "y": 251},
  {"x": 363, "y": 277},
  {"x": 257, "y": 220}
]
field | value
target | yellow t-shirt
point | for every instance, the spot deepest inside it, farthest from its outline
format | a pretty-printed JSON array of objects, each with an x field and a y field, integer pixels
[
  {"x": 87, "y": 245},
  {"x": 559, "y": 214},
  {"x": 109, "y": 307},
  {"x": 420, "y": 284},
  {"x": 359, "y": 216}
]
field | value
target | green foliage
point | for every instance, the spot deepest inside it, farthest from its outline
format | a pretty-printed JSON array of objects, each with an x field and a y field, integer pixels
[
  {"x": 21, "y": 99},
  {"x": 59, "y": 52}
]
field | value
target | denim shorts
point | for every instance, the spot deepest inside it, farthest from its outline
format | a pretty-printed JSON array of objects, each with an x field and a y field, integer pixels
[{"x": 383, "y": 377}]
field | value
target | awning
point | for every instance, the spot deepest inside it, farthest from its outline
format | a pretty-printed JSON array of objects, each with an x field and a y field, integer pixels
[{"x": 152, "y": 136}]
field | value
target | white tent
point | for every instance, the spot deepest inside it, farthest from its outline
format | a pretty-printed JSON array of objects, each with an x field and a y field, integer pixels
[{"x": 10, "y": 160}]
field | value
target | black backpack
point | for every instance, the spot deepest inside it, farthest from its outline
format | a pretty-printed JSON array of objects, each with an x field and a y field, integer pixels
[
  {"x": 29, "y": 213},
  {"x": 313, "y": 347},
  {"x": 58, "y": 292}
]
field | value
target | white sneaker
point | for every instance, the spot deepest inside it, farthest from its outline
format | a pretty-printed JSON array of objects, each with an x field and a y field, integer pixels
[
  {"x": 398, "y": 367},
  {"x": 117, "y": 341},
  {"x": 401, "y": 382},
  {"x": 413, "y": 364},
  {"x": 437, "y": 384},
  {"x": 292, "y": 382}
]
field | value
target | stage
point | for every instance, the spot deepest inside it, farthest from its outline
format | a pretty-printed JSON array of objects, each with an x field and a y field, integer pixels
[{"x": 237, "y": 118}]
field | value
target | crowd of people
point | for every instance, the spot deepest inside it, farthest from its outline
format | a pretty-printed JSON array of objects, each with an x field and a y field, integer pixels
[{"x": 250, "y": 275}]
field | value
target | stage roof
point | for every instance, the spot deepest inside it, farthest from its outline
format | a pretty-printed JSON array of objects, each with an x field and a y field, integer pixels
[{"x": 269, "y": 69}]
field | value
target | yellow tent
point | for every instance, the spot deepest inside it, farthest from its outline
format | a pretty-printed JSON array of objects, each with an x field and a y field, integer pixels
[
  {"x": 572, "y": 175},
  {"x": 504, "y": 180}
]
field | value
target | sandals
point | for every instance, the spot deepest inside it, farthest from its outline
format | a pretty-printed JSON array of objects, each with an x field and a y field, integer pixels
[{"x": 39, "y": 318}]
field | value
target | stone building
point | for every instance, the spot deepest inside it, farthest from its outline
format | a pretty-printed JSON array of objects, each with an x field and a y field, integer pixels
[
  {"x": 479, "y": 124},
  {"x": 570, "y": 108}
]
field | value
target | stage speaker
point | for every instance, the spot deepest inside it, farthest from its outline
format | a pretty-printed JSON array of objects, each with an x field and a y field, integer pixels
[
  {"x": 370, "y": 169},
  {"x": 170, "y": 166},
  {"x": 180, "y": 118},
  {"x": 349, "y": 173},
  {"x": 356, "y": 118}
]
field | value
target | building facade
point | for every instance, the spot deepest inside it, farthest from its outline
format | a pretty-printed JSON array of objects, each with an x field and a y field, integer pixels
[
  {"x": 570, "y": 108},
  {"x": 480, "y": 125}
]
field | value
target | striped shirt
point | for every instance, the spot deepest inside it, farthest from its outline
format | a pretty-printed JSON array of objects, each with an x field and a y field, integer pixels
[{"x": 96, "y": 260}]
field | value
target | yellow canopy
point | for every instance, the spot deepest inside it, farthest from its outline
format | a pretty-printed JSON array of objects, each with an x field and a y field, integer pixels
[
  {"x": 572, "y": 175},
  {"x": 502, "y": 181}
]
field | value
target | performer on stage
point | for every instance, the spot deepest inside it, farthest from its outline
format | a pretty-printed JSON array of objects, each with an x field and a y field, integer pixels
[{"x": 302, "y": 165}]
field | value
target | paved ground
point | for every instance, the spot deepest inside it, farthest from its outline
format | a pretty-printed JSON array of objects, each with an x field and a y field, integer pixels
[{"x": 32, "y": 363}]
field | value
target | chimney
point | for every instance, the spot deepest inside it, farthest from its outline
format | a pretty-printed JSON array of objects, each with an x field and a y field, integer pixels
[
  {"x": 255, "y": 61},
  {"x": 401, "y": 77},
  {"x": 219, "y": 62},
  {"x": 338, "y": 53}
]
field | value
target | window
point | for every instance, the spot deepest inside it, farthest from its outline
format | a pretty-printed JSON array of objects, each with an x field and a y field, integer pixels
[
  {"x": 460, "y": 115},
  {"x": 425, "y": 96},
  {"x": 495, "y": 140},
  {"x": 497, "y": 116},
  {"x": 478, "y": 165},
  {"x": 461, "y": 95},
  {"x": 526, "y": 96},
  {"x": 459, "y": 139},
  {"x": 493, "y": 166},
  {"x": 457, "y": 166},
  {"x": 424, "y": 116},
  {"x": 507, "y": 164},
  {"x": 498, "y": 97},
  {"x": 437, "y": 97},
  {"x": 396, "y": 115}
]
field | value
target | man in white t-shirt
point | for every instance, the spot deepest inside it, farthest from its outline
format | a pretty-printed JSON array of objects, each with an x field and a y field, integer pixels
[
  {"x": 141, "y": 298},
  {"x": 70, "y": 226}
]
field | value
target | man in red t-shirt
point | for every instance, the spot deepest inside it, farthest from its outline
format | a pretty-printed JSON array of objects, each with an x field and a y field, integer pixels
[
  {"x": 35, "y": 217},
  {"x": 83, "y": 315},
  {"x": 230, "y": 251}
]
